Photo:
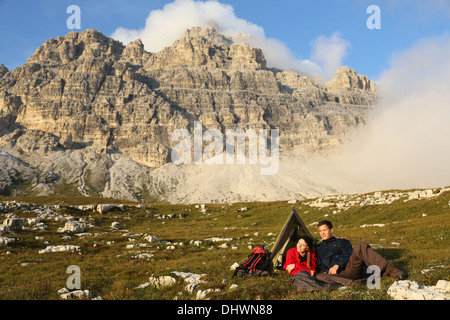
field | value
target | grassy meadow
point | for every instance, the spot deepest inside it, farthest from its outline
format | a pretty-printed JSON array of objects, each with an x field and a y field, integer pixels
[{"x": 415, "y": 236}]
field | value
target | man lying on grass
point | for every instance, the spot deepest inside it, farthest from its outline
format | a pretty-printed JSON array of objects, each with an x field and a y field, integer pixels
[{"x": 341, "y": 263}]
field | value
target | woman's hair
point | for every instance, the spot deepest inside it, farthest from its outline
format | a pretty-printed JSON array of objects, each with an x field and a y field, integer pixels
[{"x": 308, "y": 250}]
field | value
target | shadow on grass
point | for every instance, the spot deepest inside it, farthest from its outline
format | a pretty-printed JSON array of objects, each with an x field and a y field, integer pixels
[
  {"x": 395, "y": 256},
  {"x": 391, "y": 253}
]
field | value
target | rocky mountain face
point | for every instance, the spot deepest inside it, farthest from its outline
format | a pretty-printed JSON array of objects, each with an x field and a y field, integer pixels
[{"x": 87, "y": 115}]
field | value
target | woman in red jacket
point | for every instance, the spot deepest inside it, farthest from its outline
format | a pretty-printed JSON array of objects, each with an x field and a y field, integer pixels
[
  {"x": 301, "y": 258},
  {"x": 301, "y": 263}
]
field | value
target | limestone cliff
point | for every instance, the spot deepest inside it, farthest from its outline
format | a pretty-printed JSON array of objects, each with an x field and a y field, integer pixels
[{"x": 84, "y": 102}]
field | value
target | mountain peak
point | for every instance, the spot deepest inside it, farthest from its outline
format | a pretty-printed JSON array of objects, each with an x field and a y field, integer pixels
[
  {"x": 64, "y": 49},
  {"x": 206, "y": 47},
  {"x": 209, "y": 33},
  {"x": 111, "y": 108},
  {"x": 346, "y": 77},
  {"x": 3, "y": 70}
]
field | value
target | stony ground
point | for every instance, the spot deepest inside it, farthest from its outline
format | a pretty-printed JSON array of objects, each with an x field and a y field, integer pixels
[{"x": 126, "y": 250}]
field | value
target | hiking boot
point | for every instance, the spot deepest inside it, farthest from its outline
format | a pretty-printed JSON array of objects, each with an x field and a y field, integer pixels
[{"x": 393, "y": 271}]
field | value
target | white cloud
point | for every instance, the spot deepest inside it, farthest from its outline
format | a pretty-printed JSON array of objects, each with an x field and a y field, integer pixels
[
  {"x": 164, "y": 26},
  {"x": 330, "y": 52},
  {"x": 278, "y": 55},
  {"x": 406, "y": 142}
]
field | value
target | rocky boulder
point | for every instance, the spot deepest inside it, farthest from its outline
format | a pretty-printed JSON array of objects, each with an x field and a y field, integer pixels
[{"x": 411, "y": 290}]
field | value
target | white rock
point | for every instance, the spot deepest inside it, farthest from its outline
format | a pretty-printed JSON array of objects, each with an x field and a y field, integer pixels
[
  {"x": 3, "y": 241},
  {"x": 104, "y": 208},
  {"x": 74, "y": 226},
  {"x": 201, "y": 294},
  {"x": 191, "y": 287},
  {"x": 443, "y": 285},
  {"x": 115, "y": 225},
  {"x": 196, "y": 242},
  {"x": 162, "y": 281},
  {"x": 378, "y": 195},
  {"x": 321, "y": 204},
  {"x": 33, "y": 221},
  {"x": 76, "y": 295},
  {"x": 233, "y": 286},
  {"x": 411, "y": 290},
  {"x": 8, "y": 240},
  {"x": 217, "y": 239},
  {"x": 341, "y": 205},
  {"x": 61, "y": 248},
  {"x": 63, "y": 290},
  {"x": 190, "y": 277},
  {"x": 143, "y": 286},
  {"x": 3, "y": 229},
  {"x": 86, "y": 207},
  {"x": 84, "y": 234},
  {"x": 234, "y": 266},
  {"x": 13, "y": 223},
  {"x": 138, "y": 245},
  {"x": 203, "y": 208},
  {"x": 373, "y": 225},
  {"x": 152, "y": 239}
]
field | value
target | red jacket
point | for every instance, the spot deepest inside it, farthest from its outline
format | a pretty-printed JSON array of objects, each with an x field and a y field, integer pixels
[{"x": 293, "y": 257}]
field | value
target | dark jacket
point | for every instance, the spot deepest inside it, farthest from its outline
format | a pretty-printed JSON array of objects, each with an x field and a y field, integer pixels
[{"x": 333, "y": 251}]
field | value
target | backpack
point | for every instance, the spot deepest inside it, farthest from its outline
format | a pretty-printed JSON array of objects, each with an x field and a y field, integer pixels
[{"x": 258, "y": 263}]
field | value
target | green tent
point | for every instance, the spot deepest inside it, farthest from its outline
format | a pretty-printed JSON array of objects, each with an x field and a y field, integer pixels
[{"x": 292, "y": 230}]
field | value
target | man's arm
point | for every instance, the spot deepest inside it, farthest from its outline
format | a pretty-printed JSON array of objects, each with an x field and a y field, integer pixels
[{"x": 341, "y": 260}]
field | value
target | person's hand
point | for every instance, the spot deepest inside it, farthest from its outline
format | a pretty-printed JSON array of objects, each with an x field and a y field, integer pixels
[
  {"x": 312, "y": 273},
  {"x": 334, "y": 269},
  {"x": 290, "y": 267}
]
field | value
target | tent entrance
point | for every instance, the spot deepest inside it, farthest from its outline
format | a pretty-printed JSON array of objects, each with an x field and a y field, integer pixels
[{"x": 292, "y": 230}]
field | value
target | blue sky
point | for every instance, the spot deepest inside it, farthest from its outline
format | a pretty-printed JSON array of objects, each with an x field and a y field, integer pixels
[{"x": 25, "y": 25}]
